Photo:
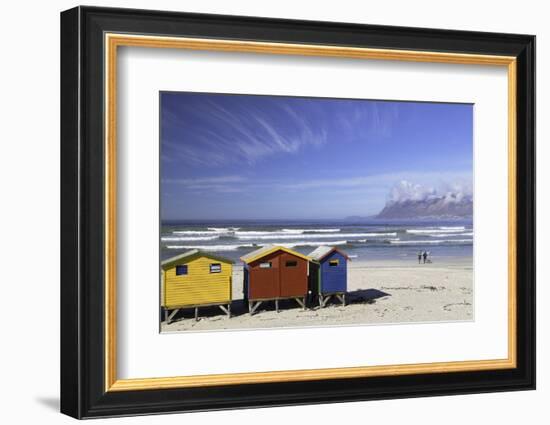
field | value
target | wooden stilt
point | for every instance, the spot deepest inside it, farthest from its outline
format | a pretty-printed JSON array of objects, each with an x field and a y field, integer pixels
[
  {"x": 253, "y": 307},
  {"x": 226, "y": 310},
  {"x": 277, "y": 305},
  {"x": 196, "y": 314},
  {"x": 302, "y": 302},
  {"x": 171, "y": 316},
  {"x": 166, "y": 315}
]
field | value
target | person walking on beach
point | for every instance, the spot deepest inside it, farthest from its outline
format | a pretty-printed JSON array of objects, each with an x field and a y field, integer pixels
[
  {"x": 425, "y": 255},
  {"x": 419, "y": 256}
]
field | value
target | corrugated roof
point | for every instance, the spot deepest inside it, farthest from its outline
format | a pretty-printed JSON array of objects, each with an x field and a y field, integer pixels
[
  {"x": 268, "y": 249},
  {"x": 189, "y": 255},
  {"x": 322, "y": 251}
]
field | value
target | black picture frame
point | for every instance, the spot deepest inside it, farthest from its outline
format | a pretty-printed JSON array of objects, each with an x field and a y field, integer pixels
[{"x": 82, "y": 212}]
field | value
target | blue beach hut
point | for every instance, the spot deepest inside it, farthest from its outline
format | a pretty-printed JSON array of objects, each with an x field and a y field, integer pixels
[{"x": 328, "y": 275}]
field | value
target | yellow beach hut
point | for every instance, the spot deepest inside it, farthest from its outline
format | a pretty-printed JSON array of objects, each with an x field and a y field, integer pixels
[{"x": 195, "y": 279}]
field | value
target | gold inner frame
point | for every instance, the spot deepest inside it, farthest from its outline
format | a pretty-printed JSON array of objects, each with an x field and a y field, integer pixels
[{"x": 113, "y": 41}]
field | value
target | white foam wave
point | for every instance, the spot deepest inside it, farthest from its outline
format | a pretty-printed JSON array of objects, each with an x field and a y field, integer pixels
[
  {"x": 211, "y": 247},
  {"x": 223, "y": 229},
  {"x": 312, "y": 236},
  {"x": 424, "y": 231},
  {"x": 312, "y": 243},
  {"x": 301, "y": 231},
  {"x": 446, "y": 235},
  {"x": 376, "y": 240},
  {"x": 187, "y": 238},
  {"x": 234, "y": 247},
  {"x": 452, "y": 228},
  {"x": 209, "y": 231},
  {"x": 194, "y": 232},
  {"x": 282, "y": 232},
  {"x": 257, "y": 232},
  {"x": 432, "y": 242}
]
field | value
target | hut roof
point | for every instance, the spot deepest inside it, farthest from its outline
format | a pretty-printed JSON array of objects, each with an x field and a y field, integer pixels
[
  {"x": 269, "y": 249},
  {"x": 322, "y": 251},
  {"x": 191, "y": 255}
]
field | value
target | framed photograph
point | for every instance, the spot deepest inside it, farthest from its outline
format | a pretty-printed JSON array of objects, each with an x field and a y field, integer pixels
[{"x": 261, "y": 212}]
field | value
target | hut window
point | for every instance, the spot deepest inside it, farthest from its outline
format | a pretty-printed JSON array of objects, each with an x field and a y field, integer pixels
[
  {"x": 215, "y": 268},
  {"x": 180, "y": 270},
  {"x": 291, "y": 263},
  {"x": 333, "y": 263},
  {"x": 266, "y": 265}
]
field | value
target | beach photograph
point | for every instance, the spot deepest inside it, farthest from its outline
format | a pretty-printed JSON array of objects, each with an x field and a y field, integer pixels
[{"x": 292, "y": 212}]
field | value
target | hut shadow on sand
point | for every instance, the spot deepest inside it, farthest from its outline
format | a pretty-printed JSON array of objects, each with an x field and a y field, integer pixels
[
  {"x": 365, "y": 296},
  {"x": 239, "y": 307},
  {"x": 360, "y": 296}
]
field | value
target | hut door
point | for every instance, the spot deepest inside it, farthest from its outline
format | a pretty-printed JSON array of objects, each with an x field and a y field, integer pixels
[
  {"x": 264, "y": 279},
  {"x": 293, "y": 276}
]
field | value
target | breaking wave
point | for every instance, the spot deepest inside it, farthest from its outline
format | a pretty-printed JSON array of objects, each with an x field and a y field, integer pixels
[
  {"x": 301, "y": 231},
  {"x": 446, "y": 235},
  {"x": 377, "y": 239},
  {"x": 311, "y": 243},
  {"x": 283, "y": 232},
  {"x": 235, "y": 247},
  {"x": 433, "y": 242},
  {"x": 424, "y": 231},
  {"x": 312, "y": 236},
  {"x": 195, "y": 232},
  {"x": 211, "y": 247},
  {"x": 187, "y": 238}
]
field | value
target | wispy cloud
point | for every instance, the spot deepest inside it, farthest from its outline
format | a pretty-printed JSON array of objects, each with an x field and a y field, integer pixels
[
  {"x": 225, "y": 184},
  {"x": 443, "y": 181},
  {"x": 205, "y": 180},
  {"x": 439, "y": 179},
  {"x": 214, "y": 132}
]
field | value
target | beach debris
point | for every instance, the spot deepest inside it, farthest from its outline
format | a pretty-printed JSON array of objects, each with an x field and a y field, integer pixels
[
  {"x": 429, "y": 287},
  {"x": 396, "y": 288},
  {"x": 449, "y": 307}
]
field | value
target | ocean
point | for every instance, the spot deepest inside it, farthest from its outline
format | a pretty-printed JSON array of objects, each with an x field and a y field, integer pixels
[{"x": 373, "y": 240}]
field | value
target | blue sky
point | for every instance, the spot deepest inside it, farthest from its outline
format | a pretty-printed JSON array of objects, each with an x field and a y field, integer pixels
[{"x": 228, "y": 157}]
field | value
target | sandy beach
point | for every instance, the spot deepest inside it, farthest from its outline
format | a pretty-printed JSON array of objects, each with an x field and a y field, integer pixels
[{"x": 378, "y": 292}]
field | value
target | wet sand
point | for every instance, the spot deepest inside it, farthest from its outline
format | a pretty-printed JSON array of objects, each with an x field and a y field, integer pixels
[{"x": 378, "y": 292}]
